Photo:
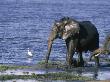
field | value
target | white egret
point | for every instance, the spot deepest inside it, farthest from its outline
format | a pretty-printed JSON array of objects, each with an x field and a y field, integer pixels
[{"x": 29, "y": 53}]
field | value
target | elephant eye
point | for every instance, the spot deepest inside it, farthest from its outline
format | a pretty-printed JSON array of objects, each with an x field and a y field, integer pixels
[{"x": 64, "y": 30}]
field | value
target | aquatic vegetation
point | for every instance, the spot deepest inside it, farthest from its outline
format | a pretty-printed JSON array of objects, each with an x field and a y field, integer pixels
[
  {"x": 9, "y": 77},
  {"x": 51, "y": 76},
  {"x": 51, "y": 64},
  {"x": 6, "y": 67},
  {"x": 64, "y": 74},
  {"x": 3, "y": 67}
]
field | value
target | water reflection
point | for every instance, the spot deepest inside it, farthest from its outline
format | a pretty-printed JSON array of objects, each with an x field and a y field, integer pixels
[
  {"x": 29, "y": 60},
  {"x": 93, "y": 73},
  {"x": 102, "y": 73}
]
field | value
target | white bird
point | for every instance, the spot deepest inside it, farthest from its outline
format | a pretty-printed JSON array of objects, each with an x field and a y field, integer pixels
[{"x": 29, "y": 53}]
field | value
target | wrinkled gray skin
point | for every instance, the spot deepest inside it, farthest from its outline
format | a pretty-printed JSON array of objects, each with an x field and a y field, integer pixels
[{"x": 79, "y": 37}]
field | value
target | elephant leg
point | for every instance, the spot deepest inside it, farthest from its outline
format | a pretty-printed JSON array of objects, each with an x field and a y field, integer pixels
[
  {"x": 70, "y": 59},
  {"x": 70, "y": 53},
  {"x": 96, "y": 57},
  {"x": 97, "y": 61},
  {"x": 91, "y": 57},
  {"x": 80, "y": 62}
]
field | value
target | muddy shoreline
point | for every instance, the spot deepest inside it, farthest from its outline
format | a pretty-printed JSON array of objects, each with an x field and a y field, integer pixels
[
  {"x": 55, "y": 71},
  {"x": 8, "y": 73}
]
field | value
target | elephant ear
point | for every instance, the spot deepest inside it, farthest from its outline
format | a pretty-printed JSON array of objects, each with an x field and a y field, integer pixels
[
  {"x": 65, "y": 22},
  {"x": 55, "y": 26},
  {"x": 72, "y": 27},
  {"x": 57, "y": 23}
]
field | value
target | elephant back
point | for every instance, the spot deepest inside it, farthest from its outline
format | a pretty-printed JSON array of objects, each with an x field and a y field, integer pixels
[{"x": 89, "y": 36}]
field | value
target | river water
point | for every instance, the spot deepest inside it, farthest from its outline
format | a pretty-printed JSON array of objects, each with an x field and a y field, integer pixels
[{"x": 27, "y": 23}]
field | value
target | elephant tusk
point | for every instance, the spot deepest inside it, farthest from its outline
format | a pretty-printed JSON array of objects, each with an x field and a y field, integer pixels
[{"x": 97, "y": 55}]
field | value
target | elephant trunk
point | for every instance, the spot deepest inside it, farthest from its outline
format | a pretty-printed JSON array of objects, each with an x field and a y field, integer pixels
[
  {"x": 49, "y": 50},
  {"x": 52, "y": 37}
]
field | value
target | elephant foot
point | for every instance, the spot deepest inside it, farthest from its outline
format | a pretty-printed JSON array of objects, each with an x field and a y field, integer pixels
[
  {"x": 72, "y": 63},
  {"x": 90, "y": 59},
  {"x": 46, "y": 65},
  {"x": 80, "y": 63},
  {"x": 97, "y": 61}
]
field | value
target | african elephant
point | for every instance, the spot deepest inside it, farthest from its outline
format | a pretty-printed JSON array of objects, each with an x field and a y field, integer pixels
[
  {"x": 105, "y": 50},
  {"x": 79, "y": 37},
  {"x": 107, "y": 42}
]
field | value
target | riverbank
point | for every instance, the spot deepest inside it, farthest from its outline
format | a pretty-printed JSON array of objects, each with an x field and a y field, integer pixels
[
  {"x": 48, "y": 76},
  {"x": 9, "y": 72},
  {"x": 54, "y": 71}
]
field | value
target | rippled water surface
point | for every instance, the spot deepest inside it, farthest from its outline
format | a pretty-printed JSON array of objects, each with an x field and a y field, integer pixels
[{"x": 27, "y": 23}]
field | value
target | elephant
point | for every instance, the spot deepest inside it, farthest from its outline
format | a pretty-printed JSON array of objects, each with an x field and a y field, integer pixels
[
  {"x": 79, "y": 36},
  {"x": 107, "y": 42},
  {"x": 98, "y": 52},
  {"x": 105, "y": 50}
]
